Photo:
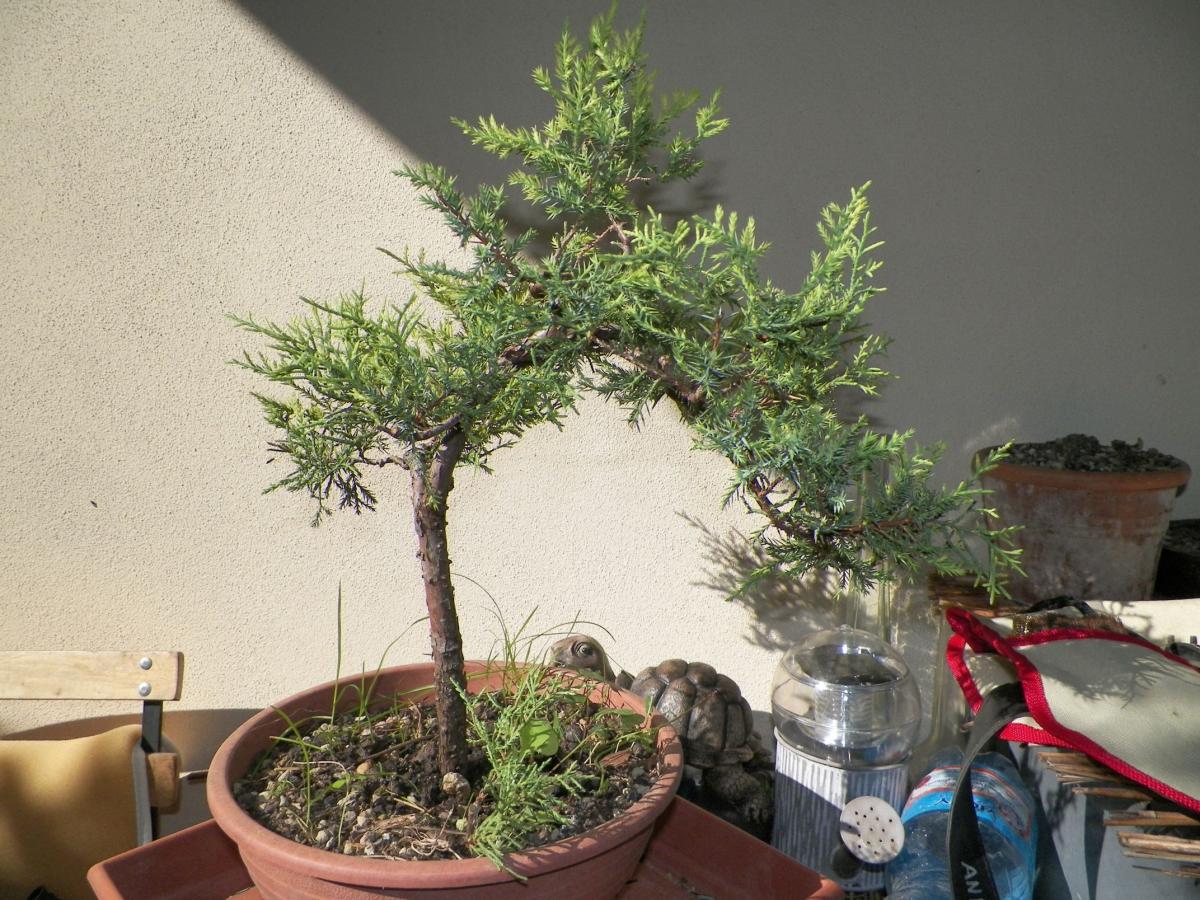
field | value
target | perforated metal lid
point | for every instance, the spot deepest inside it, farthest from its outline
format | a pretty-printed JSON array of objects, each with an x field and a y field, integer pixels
[{"x": 871, "y": 829}]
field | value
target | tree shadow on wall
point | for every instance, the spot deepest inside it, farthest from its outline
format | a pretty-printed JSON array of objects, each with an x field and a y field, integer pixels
[
  {"x": 412, "y": 67},
  {"x": 782, "y": 610}
]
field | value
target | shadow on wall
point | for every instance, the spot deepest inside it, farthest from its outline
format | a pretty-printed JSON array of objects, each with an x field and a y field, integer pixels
[
  {"x": 782, "y": 610},
  {"x": 785, "y": 610},
  {"x": 411, "y": 67}
]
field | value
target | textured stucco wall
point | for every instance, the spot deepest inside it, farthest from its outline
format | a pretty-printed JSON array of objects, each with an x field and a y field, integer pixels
[{"x": 165, "y": 164}]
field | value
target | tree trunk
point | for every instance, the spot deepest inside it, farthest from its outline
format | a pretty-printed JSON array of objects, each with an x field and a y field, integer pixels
[{"x": 432, "y": 479}]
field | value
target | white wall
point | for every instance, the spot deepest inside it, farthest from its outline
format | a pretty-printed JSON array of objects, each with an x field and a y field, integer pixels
[{"x": 165, "y": 164}]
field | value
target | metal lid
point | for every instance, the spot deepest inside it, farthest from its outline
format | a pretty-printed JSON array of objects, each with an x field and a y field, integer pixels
[{"x": 870, "y": 828}]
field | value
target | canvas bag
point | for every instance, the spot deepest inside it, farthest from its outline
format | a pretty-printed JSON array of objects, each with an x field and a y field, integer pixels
[{"x": 1117, "y": 698}]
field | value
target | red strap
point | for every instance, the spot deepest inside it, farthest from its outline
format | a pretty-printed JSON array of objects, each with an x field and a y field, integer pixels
[
  {"x": 972, "y": 632},
  {"x": 984, "y": 640}
]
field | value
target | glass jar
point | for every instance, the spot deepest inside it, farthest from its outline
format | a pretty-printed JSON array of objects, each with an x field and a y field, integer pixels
[{"x": 847, "y": 698}]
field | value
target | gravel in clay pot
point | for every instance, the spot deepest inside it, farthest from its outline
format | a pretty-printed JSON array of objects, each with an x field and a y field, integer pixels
[
  {"x": 592, "y": 865},
  {"x": 1092, "y": 515}
]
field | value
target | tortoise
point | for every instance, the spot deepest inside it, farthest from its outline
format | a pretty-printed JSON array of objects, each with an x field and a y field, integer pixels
[{"x": 712, "y": 718}]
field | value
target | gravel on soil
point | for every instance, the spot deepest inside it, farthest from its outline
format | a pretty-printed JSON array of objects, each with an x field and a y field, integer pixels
[
  {"x": 370, "y": 786},
  {"x": 1085, "y": 453}
]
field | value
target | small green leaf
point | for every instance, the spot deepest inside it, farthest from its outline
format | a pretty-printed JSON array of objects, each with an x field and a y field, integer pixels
[{"x": 540, "y": 737}]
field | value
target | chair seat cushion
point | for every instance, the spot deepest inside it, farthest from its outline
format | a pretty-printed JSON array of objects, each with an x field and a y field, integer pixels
[{"x": 64, "y": 805}]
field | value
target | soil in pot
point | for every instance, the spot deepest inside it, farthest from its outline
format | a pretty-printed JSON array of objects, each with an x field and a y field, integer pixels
[
  {"x": 1085, "y": 453},
  {"x": 369, "y": 785}
]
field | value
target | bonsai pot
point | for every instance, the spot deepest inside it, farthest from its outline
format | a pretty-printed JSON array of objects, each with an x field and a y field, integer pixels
[
  {"x": 595, "y": 864},
  {"x": 1088, "y": 535}
]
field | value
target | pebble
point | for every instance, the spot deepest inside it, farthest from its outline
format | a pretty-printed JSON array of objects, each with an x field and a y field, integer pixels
[
  {"x": 1085, "y": 453},
  {"x": 455, "y": 785}
]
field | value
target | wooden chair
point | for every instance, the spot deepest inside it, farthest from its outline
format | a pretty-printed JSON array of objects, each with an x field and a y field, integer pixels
[{"x": 149, "y": 678}]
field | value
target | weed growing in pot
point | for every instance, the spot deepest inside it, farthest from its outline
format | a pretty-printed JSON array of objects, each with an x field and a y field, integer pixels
[
  {"x": 550, "y": 745},
  {"x": 550, "y": 750}
]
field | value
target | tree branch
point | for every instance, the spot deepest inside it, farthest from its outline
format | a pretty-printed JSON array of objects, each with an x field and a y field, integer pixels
[
  {"x": 427, "y": 434},
  {"x": 686, "y": 393},
  {"x": 762, "y": 495},
  {"x": 498, "y": 254},
  {"x": 885, "y": 525}
]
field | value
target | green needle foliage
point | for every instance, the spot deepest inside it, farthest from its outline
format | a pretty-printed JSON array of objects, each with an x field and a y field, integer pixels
[{"x": 635, "y": 306}]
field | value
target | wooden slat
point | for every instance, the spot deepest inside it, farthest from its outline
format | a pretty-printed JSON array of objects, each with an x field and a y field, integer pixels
[
  {"x": 1183, "y": 872},
  {"x": 88, "y": 675}
]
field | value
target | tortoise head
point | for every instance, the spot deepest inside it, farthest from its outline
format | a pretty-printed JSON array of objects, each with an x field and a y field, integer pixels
[{"x": 581, "y": 652}]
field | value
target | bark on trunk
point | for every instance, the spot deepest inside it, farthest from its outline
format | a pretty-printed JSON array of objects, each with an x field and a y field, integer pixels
[{"x": 431, "y": 484}]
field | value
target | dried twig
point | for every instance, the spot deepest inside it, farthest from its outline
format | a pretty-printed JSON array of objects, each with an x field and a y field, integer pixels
[
  {"x": 963, "y": 593},
  {"x": 1075, "y": 768}
]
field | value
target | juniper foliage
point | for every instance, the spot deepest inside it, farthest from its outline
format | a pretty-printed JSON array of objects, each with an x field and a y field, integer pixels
[{"x": 639, "y": 308}]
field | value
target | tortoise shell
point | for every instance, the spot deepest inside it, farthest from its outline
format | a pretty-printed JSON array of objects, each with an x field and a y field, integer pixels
[{"x": 706, "y": 708}]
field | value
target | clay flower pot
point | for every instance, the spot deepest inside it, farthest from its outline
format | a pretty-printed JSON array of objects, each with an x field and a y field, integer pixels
[
  {"x": 595, "y": 864},
  {"x": 1088, "y": 535}
]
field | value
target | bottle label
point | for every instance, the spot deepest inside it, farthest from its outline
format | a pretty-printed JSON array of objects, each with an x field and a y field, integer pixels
[{"x": 997, "y": 802}]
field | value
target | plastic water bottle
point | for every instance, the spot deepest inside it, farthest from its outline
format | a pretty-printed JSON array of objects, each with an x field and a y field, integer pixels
[{"x": 1007, "y": 823}]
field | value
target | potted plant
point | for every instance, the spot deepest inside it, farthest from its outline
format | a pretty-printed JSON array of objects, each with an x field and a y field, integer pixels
[
  {"x": 632, "y": 305},
  {"x": 1092, "y": 516}
]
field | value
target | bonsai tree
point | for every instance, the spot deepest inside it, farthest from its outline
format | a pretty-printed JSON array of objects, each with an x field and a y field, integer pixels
[{"x": 638, "y": 307}]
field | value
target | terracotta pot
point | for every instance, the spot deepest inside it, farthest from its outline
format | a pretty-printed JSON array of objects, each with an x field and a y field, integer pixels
[
  {"x": 1089, "y": 535},
  {"x": 595, "y": 864}
]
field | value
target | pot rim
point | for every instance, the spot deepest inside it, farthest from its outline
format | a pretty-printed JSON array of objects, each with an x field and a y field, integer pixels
[
  {"x": 1106, "y": 482},
  {"x": 476, "y": 871}
]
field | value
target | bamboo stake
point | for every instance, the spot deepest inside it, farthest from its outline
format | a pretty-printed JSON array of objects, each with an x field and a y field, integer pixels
[
  {"x": 1121, "y": 793},
  {"x": 1181, "y": 872},
  {"x": 1149, "y": 818},
  {"x": 1158, "y": 846}
]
